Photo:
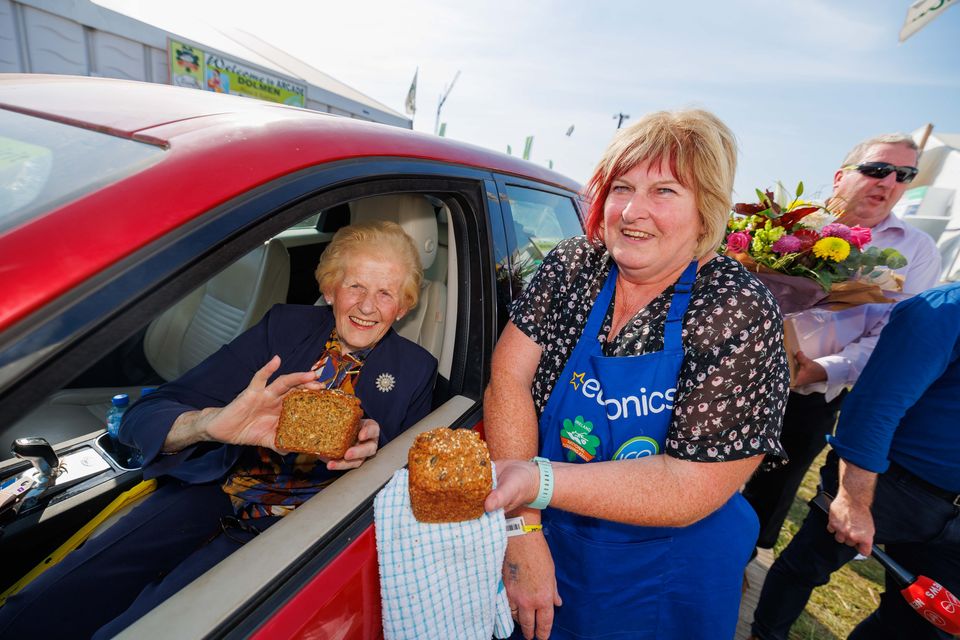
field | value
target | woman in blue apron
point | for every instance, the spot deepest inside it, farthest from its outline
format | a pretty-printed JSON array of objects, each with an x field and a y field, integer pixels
[{"x": 658, "y": 382}]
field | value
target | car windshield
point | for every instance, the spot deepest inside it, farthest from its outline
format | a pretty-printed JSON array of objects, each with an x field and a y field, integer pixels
[{"x": 44, "y": 164}]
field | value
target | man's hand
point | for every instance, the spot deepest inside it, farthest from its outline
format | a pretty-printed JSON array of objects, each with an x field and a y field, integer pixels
[
  {"x": 366, "y": 447},
  {"x": 808, "y": 371},
  {"x": 850, "y": 520},
  {"x": 531, "y": 583},
  {"x": 851, "y": 523}
]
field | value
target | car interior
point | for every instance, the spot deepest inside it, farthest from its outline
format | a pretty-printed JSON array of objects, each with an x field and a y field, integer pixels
[
  {"x": 280, "y": 270},
  {"x": 220, "y": 285}
]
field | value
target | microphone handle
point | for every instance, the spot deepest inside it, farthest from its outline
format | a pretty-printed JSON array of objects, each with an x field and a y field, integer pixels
[{"x": 903, "y": 577}]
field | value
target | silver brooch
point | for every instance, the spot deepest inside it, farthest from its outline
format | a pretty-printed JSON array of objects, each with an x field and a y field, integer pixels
[{"x": 386, "y": 382}]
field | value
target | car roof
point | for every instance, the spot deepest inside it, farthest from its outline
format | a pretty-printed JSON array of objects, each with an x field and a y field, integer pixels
[{"x": 216, "y": 148}]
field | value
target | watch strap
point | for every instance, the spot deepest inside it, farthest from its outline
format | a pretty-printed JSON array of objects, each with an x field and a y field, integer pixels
[{"x": 545, "y": 493}]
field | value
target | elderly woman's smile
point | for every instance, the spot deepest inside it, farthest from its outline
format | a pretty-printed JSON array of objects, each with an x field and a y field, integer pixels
[{"x": 367, "y": 301}]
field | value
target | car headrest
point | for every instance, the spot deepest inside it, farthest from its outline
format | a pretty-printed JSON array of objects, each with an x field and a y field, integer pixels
[{"x": 413, "y": 213}]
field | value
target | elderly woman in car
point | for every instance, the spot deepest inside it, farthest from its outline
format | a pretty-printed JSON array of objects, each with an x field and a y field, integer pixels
[{"x": 210, "y": 435}]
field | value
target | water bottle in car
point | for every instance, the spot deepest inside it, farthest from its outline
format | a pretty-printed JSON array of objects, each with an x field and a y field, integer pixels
[{"x": 118, "y": 404}]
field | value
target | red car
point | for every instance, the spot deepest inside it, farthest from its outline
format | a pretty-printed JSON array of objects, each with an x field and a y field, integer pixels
[{"x": 142, "y": 226}]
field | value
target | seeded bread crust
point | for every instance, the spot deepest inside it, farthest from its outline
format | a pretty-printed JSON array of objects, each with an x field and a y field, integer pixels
[
  {"x": 325, "y": 423},
  {"x": 449, "y": 475}
]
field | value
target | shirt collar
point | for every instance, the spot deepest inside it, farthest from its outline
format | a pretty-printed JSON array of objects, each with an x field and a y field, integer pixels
[{"x": 891, "y": 222}]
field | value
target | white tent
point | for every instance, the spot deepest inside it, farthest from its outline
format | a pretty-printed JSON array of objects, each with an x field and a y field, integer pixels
[{"x": 935, "y": 189}]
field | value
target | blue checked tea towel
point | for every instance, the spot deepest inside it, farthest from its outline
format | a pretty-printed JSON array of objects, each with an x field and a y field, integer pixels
[{"x": 439, "y": 580}]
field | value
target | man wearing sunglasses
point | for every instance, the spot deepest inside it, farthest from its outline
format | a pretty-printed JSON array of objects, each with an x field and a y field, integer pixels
[{"x": 868, "y": 183}]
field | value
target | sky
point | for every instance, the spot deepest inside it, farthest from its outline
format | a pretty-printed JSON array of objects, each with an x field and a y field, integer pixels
[{"x": 798, "y": 81}]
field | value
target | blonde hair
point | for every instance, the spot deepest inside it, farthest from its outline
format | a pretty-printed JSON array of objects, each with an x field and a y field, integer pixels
[
  {"x": 700, "y": 150},
  {"x": 379, "y": 238}
]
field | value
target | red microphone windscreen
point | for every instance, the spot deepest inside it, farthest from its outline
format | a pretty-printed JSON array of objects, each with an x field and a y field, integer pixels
[{"x": 929, "y": 599}]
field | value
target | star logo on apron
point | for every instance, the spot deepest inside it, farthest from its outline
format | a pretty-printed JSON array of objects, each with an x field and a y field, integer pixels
[{"x": 577, "y": 376}]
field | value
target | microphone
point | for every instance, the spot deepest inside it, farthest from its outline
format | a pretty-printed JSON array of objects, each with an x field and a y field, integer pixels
[{"x": 926, "y": 596}]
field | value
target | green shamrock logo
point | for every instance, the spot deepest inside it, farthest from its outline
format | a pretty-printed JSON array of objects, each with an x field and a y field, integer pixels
[{"x": 577, "y": 439}]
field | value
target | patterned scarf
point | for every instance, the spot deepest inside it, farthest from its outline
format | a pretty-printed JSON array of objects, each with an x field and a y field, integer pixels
[{"x": 265, "y": 483}]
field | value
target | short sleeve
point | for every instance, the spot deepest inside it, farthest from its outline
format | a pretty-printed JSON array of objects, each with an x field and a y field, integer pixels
[{"x": 734, "y": 382}]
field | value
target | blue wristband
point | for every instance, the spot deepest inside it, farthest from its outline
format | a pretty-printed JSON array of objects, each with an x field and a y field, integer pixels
[{"x": 546, "y": 483}]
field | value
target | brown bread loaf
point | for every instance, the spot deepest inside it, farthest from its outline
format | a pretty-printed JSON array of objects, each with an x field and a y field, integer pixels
[
  {"x": 324, "y": 423},
  {"x": 449, "y": 475}
]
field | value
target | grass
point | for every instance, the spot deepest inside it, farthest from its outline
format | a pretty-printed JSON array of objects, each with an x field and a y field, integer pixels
[{"x": 853, "y": 592}]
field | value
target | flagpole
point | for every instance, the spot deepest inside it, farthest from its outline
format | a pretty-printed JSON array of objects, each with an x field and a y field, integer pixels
[{"x": 443, "y": 98}]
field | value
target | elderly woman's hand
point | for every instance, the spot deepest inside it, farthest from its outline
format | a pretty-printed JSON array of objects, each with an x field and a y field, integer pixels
[
  {"x": 250, "y": 419},
  {"x": 365, "y": 448},
  {"x": 518, "y": 482}
]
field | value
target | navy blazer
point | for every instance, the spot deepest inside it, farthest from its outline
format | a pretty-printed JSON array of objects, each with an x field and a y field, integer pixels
[{"x": 298, "y": 334}]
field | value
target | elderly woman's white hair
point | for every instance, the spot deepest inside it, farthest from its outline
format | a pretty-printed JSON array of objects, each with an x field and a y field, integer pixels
[{"x": 376, "y": 238}]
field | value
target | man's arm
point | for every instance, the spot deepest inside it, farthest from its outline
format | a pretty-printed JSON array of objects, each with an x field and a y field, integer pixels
[
  {"x": 893, "y": 380},
  {"x": 850, "y": 520}
]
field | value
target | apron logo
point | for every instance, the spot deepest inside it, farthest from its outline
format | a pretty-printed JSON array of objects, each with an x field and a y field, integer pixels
[
  {"x": 644, "y": 404},
  {"x": 639, "y": 447},
  {"x": 573, "y": 380},
  {"x": 577, "y": 439}
]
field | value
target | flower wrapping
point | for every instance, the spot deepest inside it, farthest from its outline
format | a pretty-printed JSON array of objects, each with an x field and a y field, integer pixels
[{"x": 822, "y": 331}]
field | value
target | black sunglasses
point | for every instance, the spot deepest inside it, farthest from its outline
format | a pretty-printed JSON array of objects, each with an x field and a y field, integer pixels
[{"x": 880, "y": 170}]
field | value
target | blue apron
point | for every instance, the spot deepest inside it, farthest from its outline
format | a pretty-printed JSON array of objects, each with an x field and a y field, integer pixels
[{"x": 624, "y": 581}]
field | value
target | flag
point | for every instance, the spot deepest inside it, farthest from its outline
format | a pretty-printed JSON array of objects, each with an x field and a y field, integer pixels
[
  {"x": 550, "y": 163},
  {"x": 570, "y": 131},
  {"x": 509, "y": 150},
  {"x": 527, "y": 145},
  {"x": 411, "y": 103},
  {"x": 920, "y": 14},
  {"x": 443, "y": 129}
]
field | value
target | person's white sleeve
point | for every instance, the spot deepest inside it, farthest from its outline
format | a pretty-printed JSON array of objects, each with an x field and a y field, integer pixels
[{"x": 924, "y": 272}]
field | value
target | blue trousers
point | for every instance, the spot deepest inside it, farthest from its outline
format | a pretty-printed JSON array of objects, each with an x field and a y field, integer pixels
[
  {"x": 920, "y": 530},
  {"x": 163, "y": 544}
]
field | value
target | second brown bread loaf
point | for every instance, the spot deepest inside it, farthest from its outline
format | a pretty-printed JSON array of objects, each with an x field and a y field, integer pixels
[
  {"x": 449, "y": 475},
  {"x": 325, "y": 423}
]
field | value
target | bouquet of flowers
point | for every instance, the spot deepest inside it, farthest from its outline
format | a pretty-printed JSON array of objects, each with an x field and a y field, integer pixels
[
  {"x": 824, "y": 277},
  {"x": 795, "y": 244}
]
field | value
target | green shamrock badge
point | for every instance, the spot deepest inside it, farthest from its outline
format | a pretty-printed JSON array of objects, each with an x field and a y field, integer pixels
[{"x": 577, "y": 439}]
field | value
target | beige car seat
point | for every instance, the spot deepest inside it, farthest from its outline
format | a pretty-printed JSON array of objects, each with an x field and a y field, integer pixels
[
  {"x": 217, "y": 312},
  {"x": 416, "y": 214},
  {"x": 180, "y": 338}
]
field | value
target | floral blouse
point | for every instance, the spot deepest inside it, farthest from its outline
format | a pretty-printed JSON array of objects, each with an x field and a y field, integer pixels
[{"x": 734, "y": 381}]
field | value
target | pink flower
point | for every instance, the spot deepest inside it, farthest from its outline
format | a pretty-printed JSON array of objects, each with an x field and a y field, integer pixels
[
  {"x": 787, "y": 244},
  {"x": 738, "y": 241},
  {"x": 836, "y": 230},
  {"x": 860, "y": 236}
]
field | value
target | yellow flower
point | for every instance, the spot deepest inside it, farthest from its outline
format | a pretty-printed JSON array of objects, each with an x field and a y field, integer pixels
[{"x": 836, "y": 249}]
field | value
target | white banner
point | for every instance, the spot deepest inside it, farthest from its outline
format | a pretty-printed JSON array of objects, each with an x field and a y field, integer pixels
[{"x": 920, "y": 14}]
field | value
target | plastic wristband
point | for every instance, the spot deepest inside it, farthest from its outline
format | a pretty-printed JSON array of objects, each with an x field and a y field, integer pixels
[{"x": 546, "y": 483}]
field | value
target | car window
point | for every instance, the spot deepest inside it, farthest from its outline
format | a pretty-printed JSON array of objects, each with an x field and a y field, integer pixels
[
  {"x": 45, "y": 163},
  {"x": 540, "y": 220}
]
